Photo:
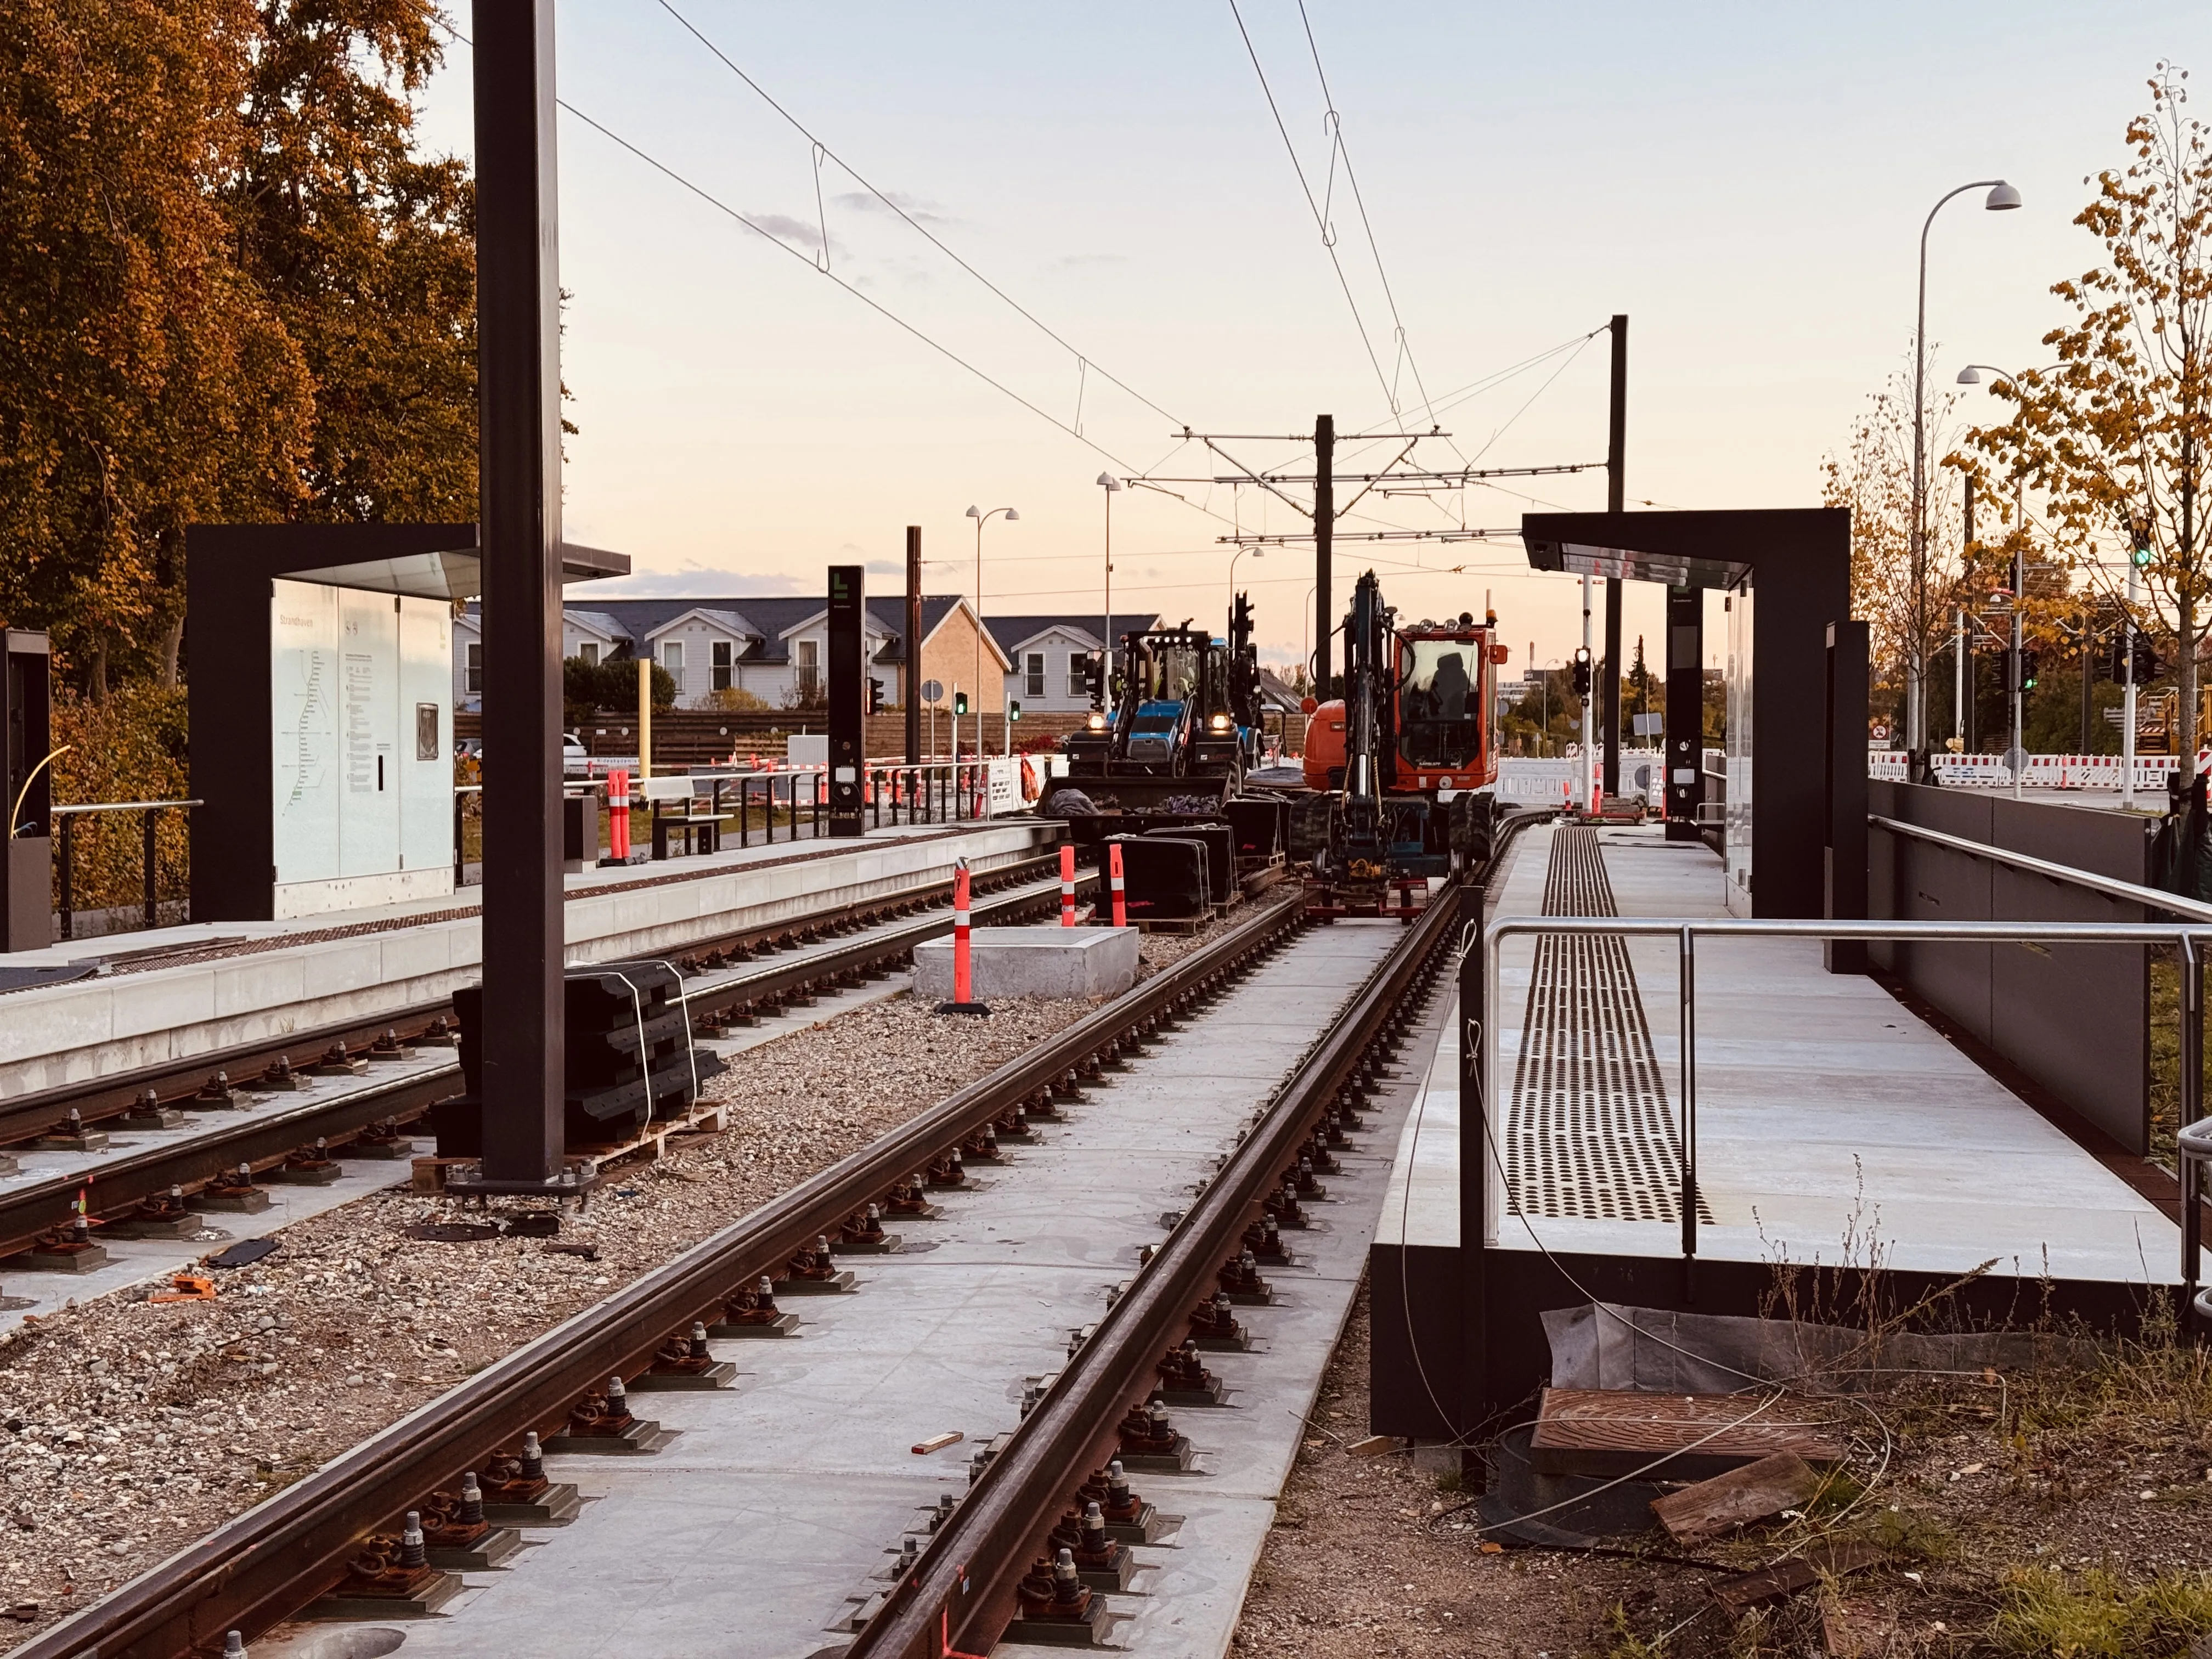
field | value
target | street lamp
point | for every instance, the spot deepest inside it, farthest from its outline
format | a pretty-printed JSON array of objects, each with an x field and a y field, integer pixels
[
  {"x": 2001, "y": 198},
  {"x": 1256, "y": 553},
  {"x": 982, "y": 518},
  {"x": 1110, "y": 484}
]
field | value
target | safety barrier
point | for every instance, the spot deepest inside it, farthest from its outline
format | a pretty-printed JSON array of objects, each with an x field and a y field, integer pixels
[{"x": 2042, "y": 771}]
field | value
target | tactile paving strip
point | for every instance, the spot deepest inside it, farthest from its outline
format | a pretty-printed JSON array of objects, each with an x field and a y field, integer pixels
[{"x": 1588, "y": 1130}]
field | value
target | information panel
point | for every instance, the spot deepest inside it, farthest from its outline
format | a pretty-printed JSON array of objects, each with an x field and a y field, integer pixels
[{"x": 359, "y": 687}]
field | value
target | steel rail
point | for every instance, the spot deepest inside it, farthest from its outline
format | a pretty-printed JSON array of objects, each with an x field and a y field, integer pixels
[
  {"x": 271, "y": 1560},
  {"x": 112, "y": 1186},
  {"x": 30, "y": 1115},
  {"x": 961, "y": 1592}
]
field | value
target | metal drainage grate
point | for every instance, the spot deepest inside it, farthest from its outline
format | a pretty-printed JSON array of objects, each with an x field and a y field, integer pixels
[{"x": 1588, "y": 1131}]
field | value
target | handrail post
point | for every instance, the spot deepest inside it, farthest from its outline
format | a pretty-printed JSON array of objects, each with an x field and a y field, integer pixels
[
  {"x": 460, "y": 807},
  {"x": 2191, "y": 1113},
  {"x": 69, "y": 873},
  {"x": 1689, "y": 994},
  {"x": 149, "y": 822}
]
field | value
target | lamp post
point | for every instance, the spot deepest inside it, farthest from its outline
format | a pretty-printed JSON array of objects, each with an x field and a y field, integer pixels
[
  {"x": 1233, "y": 557},
  {"x": 1110, "y": 485},
  {"x": 2002, "y": 197},
  {"x": 981, "y": 518}
]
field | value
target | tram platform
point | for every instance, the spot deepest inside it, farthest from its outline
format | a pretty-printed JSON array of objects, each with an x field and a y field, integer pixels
[
  {"x": 166, "y": 995},
  {"x": 1836, "y": 1132}
]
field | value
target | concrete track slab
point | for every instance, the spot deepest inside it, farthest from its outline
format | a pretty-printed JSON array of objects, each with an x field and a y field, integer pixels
[{"x": 769, "y": 1514}]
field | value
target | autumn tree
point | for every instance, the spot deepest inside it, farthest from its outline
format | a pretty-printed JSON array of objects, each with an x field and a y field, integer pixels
[
  {"x": 366, "y": 250},
  {"x": 2113, "y": 439},
  {"x": 144, "y": 383},
  {"x": 1872, "y": 476}
]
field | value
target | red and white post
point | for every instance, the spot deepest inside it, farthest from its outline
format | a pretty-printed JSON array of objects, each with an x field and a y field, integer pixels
[
  {"x": 619, "y": 817},
  {"x": 1113, "y": 881},
  {"x": 964, "y": 968},
  {"x": 1067, "y": 887},
  {"x": 964, "y": 971}
]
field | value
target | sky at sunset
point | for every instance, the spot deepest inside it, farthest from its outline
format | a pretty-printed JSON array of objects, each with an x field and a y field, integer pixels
[{"x": 1746, "y": 182}]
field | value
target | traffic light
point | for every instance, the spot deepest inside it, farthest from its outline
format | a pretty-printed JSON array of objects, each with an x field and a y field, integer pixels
[
  {"x": 1582, "y": 671},
  {"x": 1014, "y": 711},
  {"x": 959, "y": 702},
  {"x": 2020, "y": 670},
  {"x": 2141, "y": 550},
  {"x": 2145, "y": 665},
  {"x": 875, "y": 695},
  {"x": 1093, "y": 669}
]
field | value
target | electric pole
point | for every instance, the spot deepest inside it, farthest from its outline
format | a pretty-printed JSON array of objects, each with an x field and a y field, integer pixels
[
  {"x": 1324, "y": 523},
  {"x": 1615, "y": 502}
]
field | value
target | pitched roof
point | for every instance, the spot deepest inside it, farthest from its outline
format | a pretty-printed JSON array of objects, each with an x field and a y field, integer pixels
[
  {"x": 598, "y": 620},
  {"x": 1011, "y": 633},
  {"x": 770, "y": 614}
]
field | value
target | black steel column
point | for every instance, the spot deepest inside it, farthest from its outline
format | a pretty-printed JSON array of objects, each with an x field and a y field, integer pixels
[
  {"x": 910, "y": 693},
  {"x": 1685, "y": 743},
  {"x": 1470, "y": 1398},
  {"x": 1843, "y": 869},
  {"x": 1324, "y": 519},
  {"x": 519, "y": 462},
  {"x": 848, "y": 699},
  {"x": 1608, "y": 708}
]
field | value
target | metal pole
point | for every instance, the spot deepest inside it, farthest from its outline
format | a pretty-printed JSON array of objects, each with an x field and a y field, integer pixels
[
  {"x": 645, "y": 717},
  {"x": 2192, "y": 1109},
  {"x": 1958, "y": 676},
  {"x": 148, "y": 821},
  {"x": 910, "y": 693},
  {"x": 519, "y": 468},
  {"x": 69, "y": 874},
  {"x": 2128, "y": 702},
  {"x": 1589, "y": 721},
  {"x": 1689, "y": 989},
  {"x": 1616, "y": 500},
  {"x": 1324, "y": 522},
  {"x": 2014, "y": 674}
]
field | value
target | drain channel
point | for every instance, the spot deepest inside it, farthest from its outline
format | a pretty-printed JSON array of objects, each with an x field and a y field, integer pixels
[{"x": 1588, "y": 1131}]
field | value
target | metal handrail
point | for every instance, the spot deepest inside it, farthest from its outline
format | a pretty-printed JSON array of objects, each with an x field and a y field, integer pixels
[
  {"x": 117, "y": 806},
  {"x": 149, "y": 904},
  {"x": 2191, "y": 940},
  {"x": 2110, "y": 886}
]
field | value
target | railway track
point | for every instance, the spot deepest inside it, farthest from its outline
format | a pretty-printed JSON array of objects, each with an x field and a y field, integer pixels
[
  {"x": 730, "y": 979},
  {"x": 983, "y": 1561}
]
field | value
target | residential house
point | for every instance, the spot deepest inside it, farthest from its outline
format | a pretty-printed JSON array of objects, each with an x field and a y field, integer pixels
[
  {"x": 775, "y": 647},
  {"x": 1047, "y": 657}
]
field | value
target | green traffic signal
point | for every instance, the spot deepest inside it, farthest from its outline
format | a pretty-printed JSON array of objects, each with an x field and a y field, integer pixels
[
  {"x": 1014, "y": 711},
  {"x": 959, "y": 702}
]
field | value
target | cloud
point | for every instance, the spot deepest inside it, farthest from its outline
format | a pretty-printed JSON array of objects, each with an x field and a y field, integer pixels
[
  {"x": 921, "y": 212},
  {"x": 801, "y": 234},
  {"x": 884, "y": 568}
]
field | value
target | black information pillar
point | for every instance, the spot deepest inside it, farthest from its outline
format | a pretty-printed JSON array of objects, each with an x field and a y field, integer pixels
[
  {"x": 519, "y": 467},
  {"x": 911, "y": 689},
  {"x": 1686, "y": 710},
  {"x": 848, "y": 700},
  {"x": 27, "y": 916}
]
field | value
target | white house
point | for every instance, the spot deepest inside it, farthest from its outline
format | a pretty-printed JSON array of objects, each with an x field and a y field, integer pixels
[
  {"x": 772, "y": 647},
  {"x": 1048, "y": 657}
]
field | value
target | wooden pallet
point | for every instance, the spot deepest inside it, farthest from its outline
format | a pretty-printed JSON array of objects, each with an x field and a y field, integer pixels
[{"x": 1599, "y": 1431}]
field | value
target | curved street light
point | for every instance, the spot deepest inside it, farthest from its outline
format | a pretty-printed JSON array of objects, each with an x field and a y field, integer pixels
[
  {"x": 1110, "y": 485},
  {"x": 2002, "y": 197},
  {"x": 981, "y": 518}
]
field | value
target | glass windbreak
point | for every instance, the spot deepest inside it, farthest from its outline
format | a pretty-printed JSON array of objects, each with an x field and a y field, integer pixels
[{"x": 1440, "y": 703}]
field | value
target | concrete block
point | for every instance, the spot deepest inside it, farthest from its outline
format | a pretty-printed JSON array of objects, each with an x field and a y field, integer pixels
[{"x": 1034, "y": 962}]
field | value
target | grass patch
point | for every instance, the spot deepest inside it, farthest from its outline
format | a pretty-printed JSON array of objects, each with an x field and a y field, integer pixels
[{"x": 2096, "y": 1614}]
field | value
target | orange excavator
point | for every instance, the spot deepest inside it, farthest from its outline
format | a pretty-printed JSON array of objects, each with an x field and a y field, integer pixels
[{"x": 1401, "y": 766}]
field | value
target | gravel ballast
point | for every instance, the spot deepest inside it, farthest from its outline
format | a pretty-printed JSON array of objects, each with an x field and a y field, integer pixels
[{"x": 132, "y": 1427}]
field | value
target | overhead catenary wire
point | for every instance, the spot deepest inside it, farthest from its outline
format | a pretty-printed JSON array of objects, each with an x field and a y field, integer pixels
[{"x": 1087, "y": 364}]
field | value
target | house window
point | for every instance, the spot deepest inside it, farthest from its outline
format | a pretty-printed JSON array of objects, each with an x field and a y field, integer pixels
[
  {"x": 1078, "y": 673},
  {"x": 722, "y": 681},
  {"x": 671, "y": 659},
  {"x": 809, "y": 668},
  {"x": 472, "y": 670},
  {"x": 1033, "y": 680},
  {"x": 589, "y": 652}
]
